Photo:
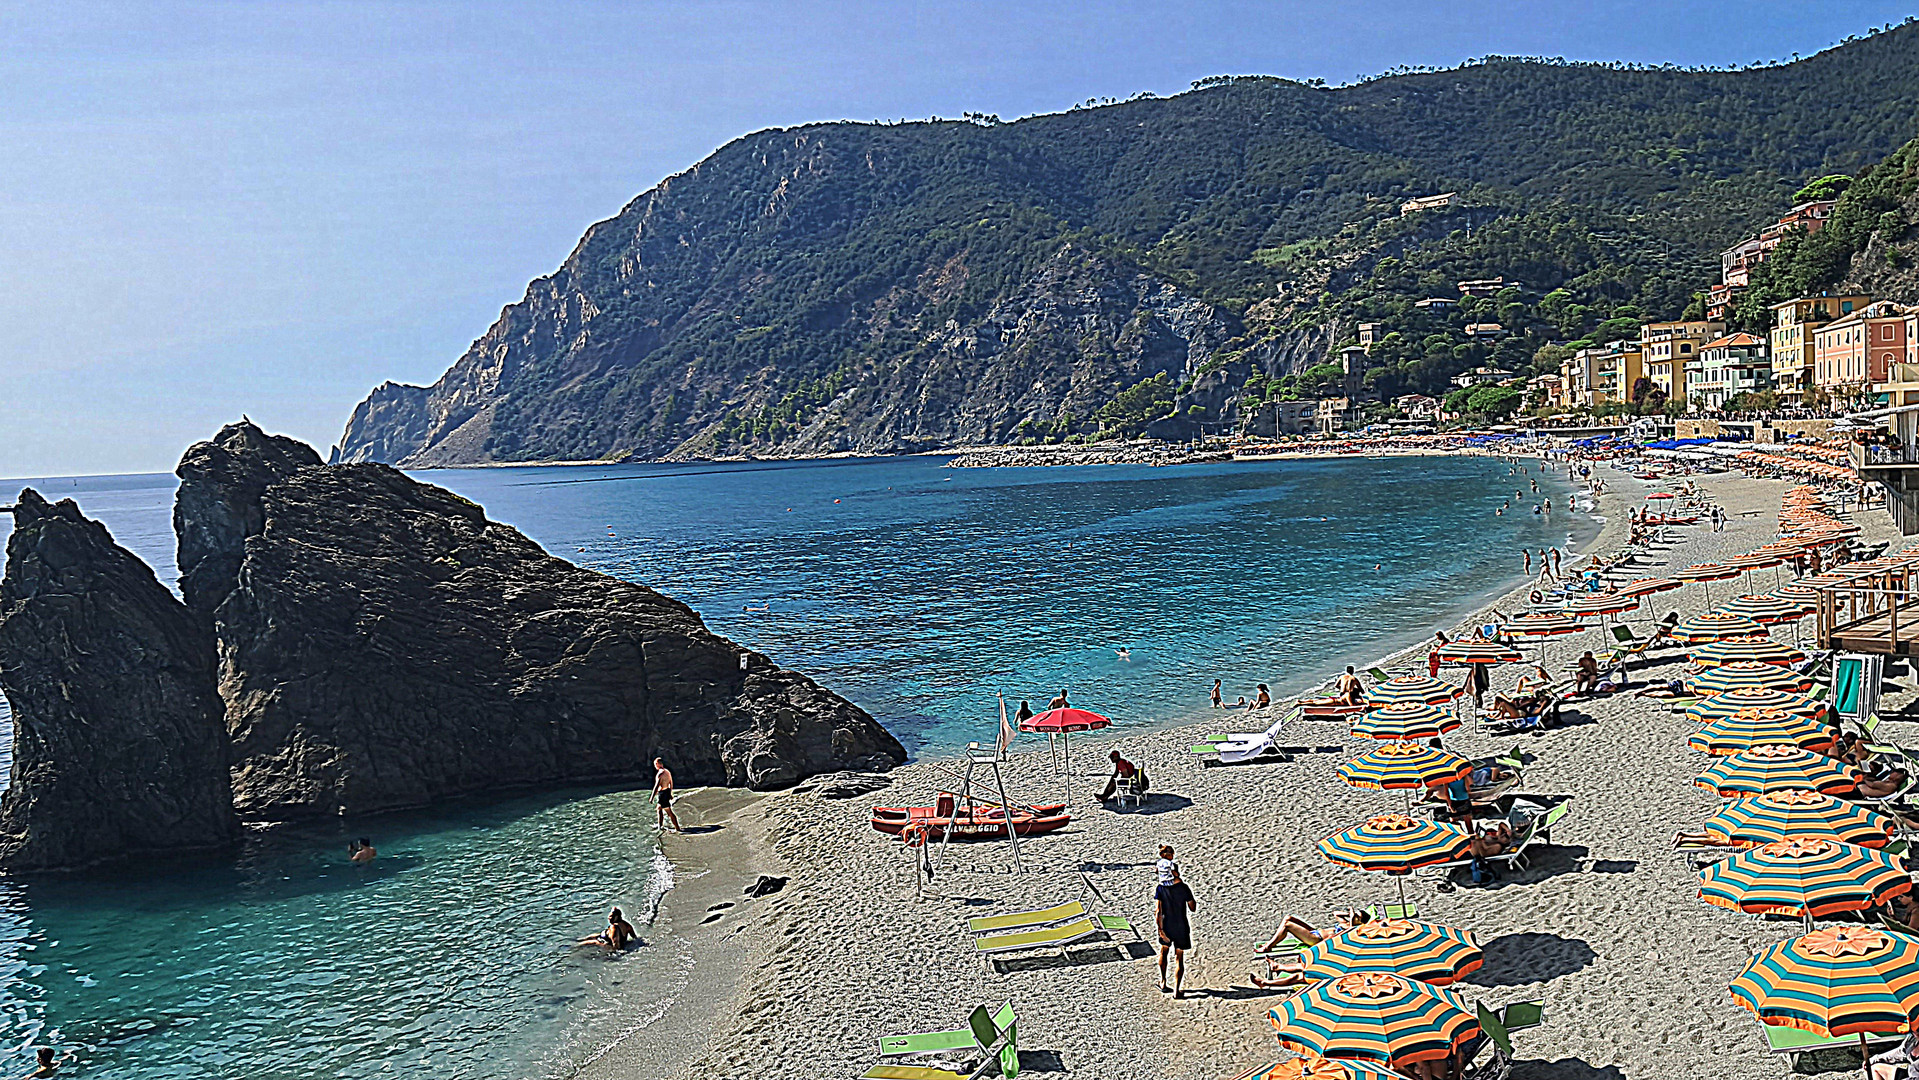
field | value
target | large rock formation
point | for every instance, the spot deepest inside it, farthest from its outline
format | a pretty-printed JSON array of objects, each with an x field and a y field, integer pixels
[
  {"x": 382, "y": 645},
  {"x": 218, "y": 505},
  {"x": 119, "y": 743}
]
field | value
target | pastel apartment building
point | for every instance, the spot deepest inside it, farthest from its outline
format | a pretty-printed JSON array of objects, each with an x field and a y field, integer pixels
[
  {"x": 1600, "y": 375},
  {"x": 1727, "y": 367},
  {"x": 1791, "y": 339},
  {"x": 1669, "y": 348},
  {"x": 1853, "y": 355}
]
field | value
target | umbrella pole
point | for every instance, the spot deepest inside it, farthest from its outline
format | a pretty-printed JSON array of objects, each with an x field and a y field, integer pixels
[
  {"x": 1400, "y": 879},
  {"x": 1865, "y": 1057}
]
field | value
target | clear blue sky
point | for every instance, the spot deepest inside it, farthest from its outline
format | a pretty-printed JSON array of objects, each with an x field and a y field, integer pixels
[{"x": 268, "y": 208}]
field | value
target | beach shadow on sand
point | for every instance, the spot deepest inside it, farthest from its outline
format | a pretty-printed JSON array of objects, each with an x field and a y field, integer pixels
[
  {"x": 1092, "y": 954},
  {"x": 1530, "y": 957},
  {"x": 1041, "y": 1061},
  {"x": 1158, "y": 802},
  {"x": 1565, "y": 1069}
]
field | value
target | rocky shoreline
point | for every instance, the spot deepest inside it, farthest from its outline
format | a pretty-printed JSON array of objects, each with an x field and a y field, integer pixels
[{"x": 1137, "y": 452}]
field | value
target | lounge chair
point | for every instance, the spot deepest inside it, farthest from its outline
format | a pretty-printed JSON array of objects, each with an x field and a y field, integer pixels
[
  {"x": 1061, "y": 937},
  {"x": 1235, "y": 750},
  {"x": 1700, "y": 854},
  {"x": 1026, "y": 920},
  {"x": 987, "y": 1039},
  {"x": 1408, "y": 910},
  {"x": 1794, "y": 1041}
]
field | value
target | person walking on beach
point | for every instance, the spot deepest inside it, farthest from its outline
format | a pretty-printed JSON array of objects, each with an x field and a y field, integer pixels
[
  {"x": 1171, "y": 901},
  {"x": 663, "y": 796},
  {"x": 1528, "y": 553},
  {"x": 1216, "y": 699},
  {"x": 1432, "y": 655},
  {"x": 1555, "y": 562}
]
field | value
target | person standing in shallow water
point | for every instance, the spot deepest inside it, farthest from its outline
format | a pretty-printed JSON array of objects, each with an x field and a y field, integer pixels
[
  {"x": 1025, "y": 712},
  {"x": 1216, "y": 696},
  {"x": 663, "y": 797}
]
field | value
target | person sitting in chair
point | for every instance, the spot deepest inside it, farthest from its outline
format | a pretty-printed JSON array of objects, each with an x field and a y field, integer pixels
[
  {"x": 1124, "y": 772},
  {"x": 1879, "y": 787},
  {"x": 1588, "y": 676}
]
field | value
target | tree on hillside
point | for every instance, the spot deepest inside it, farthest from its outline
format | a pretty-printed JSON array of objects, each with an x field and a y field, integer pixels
[{"x": 1826, "y": 187}]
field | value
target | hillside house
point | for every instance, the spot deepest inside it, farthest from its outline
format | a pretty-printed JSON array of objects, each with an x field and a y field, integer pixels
[
  {"x": 1670, "y": 347},
  {"x": 1428, "y": 202},
  {"x": 1482, "y": 376},
  {"x": 1436, "y": 303},
  {"x": 1729, "y": 366},
  {"x": 1736, "y": 262},
  {"x": 1417, "y": 406},
  {"x": 1484, "y": 286},
  {"x": 1485, "y": 331}
]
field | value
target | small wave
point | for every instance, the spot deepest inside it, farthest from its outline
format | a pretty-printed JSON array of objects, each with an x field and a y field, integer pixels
[{"x": 659, "y": 882}]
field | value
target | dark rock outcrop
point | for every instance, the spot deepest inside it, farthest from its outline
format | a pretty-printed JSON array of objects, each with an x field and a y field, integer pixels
[
  {"x": 384, "y": 645},
  {"x": 119, "y": 737},
  {"x": 218, "y": 505}
]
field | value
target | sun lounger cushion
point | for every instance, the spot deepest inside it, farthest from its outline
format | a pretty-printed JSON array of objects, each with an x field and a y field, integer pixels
[
  {"x": 1052, "y": 936},
  {"x": 1016, "y": 920},
  {"x": 914, "y": 1072}
]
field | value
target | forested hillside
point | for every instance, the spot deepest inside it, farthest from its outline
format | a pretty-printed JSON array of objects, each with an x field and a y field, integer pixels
[{"x": 1155, "y": 262}]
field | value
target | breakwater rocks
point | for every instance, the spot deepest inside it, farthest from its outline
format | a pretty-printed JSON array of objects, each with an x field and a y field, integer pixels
[
  {"x": 119, "y": 738},
  {"x": 1140, "y": 452},
  {"x": 373, "y": 643}
]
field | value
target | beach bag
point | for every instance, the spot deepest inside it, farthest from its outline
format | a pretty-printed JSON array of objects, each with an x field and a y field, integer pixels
[{"x": 1483, "y": 874}]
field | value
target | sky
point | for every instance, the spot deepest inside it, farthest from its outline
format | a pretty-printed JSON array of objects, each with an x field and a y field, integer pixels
[{"x": 209, "y": 210}]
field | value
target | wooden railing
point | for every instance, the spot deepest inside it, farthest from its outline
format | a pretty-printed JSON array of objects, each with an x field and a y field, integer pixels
[{"x": 1866, "y": 609}]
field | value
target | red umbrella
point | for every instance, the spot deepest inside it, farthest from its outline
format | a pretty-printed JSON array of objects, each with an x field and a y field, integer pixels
[{"x": 1060, "y": 723}]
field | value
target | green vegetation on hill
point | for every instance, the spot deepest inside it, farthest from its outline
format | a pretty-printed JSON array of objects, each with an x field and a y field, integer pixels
[{"x": 892, "y": 287}]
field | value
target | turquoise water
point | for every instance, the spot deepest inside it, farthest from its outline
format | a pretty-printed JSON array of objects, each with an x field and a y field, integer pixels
[{"x": 918, "y": 591}]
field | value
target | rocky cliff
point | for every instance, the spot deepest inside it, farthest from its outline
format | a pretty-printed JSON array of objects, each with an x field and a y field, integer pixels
[
  {"x": 892, "y": 287},
  {"x": 119, "y": 739}
]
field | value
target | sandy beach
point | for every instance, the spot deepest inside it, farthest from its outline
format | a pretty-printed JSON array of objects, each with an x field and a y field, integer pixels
[{"x": 1605, "y": 926}]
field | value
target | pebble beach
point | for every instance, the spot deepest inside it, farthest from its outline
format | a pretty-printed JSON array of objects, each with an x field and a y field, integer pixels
[{"x": 1605, "y": 925}]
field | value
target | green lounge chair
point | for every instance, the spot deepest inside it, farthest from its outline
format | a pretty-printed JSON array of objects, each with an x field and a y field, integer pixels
[
  {"x": 1026, "y": 920},
  {"x": 1408, "y": 910},
  {"x": 1545, "y": 829},
  {"x": 1521, "y": 1015},
  {"x": 992, "y": 1037},
  {"x": 1794, "y": 1041},
  {"x": 1059, "y": 937}
]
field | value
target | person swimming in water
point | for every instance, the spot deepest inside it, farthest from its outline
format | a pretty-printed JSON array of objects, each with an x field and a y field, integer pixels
[
  {"x": 1124, "y": 654},
  {"x": 617, "y": 936}
]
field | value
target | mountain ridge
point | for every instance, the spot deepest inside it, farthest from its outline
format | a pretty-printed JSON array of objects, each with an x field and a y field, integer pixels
[{"x": 845, "y": 287}]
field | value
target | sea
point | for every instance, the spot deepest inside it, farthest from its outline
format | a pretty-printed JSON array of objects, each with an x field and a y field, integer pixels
[{"x": 926, "y": 594}]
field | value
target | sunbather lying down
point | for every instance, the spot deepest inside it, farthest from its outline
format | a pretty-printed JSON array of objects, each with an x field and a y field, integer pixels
[
  {"x": 1291, "y": 972},
  {"x": 1671, "y": 688},
  {"x": 1521, "y": 706}
]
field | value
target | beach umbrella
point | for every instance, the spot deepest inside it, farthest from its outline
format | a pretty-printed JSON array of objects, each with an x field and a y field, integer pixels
[
  {"x": 1746, "y": 673},
  {"x": 1705, "y": 574},
  {"x": 1749, "y": 728},
  {"x": 1406, "y": 720},
  {"x": 1418, "y": 689},
  {"x": 1541, "y": 624},
  {"x": 1838, "y": 981},
  {"x": 1806, "y": 877},
  {"x": 1471, "y": 651},
  {"x": 1732, "y": 701},
  {"x": 1061, "y": 724},
  {"x": 1646, "y": 586},
  {"x": 1775, "y": 767},
  {"x": 1395, "y": 844},
  {"x": 1396, "y": 766},
  {"x": 1757, "y": 650},
  {"x": 1756, "y": 560},
  {"x": 1767, "y": 609},
  {"x": 1374, "y": 1016},
  {"x": 1659, "y": 495},
  {"x": 1713, "y": 625},
  {"x": 1439, "y": 955},
  {"x": 1785, "y": 815},
  {"x": 1319, "y": 1068}
]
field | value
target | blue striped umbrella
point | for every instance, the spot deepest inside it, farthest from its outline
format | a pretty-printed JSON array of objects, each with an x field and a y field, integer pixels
[{"x": 1374, "y": 1016}]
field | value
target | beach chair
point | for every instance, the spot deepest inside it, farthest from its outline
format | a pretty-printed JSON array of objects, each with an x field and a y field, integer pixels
[
  {"x": 1698, "y": 853},
  {"x": 1214, "y": 745},
  {"x": 1062, "y": 937},
  {"x": 1493, "y": 1034},
  {"x": 1264, "y": 744},
  {"x": 1407, "y": 910},
  {"x": 985, "y": 1041},
  {"x": 1551, "y": 818},
  {"x": 1793, "y": 1042},
  {"x": 1026, "y": 920}
]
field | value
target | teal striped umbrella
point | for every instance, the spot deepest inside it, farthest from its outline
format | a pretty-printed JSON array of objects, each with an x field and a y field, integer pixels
[
  {"x": 1714, "y": 625},
  {"x": 1428, "y": 953},
  {"x": 1319, "y": 1068},
  {"x": 1403, "y": 766},
  {"x": 1722, "y": 705},
  {"x": 1775, "y": 767},
  {"x": 1757, "y": 649},
  {"x": 1842, "y": 980},
  {"x": 1749, "y": 728},
  {"x": 1395, "y": 844},
  {"x": 1748, "y": 674},
  {"x": 1406, "y": 720},
  {"x": 1375, "y": 1016},
  {"x": 1768, "y": 609},
  {"x": 1807, "y": 877},
  {"x": 1786, "y": 815}
]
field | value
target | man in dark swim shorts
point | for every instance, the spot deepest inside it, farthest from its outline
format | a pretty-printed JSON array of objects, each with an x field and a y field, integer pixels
[
  {"x": 1173, "y": 900},
  {"x": 663, "y": 796}
]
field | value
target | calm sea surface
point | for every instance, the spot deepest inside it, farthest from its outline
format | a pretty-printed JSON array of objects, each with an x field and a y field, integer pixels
[{"x": 920, "y": 592}]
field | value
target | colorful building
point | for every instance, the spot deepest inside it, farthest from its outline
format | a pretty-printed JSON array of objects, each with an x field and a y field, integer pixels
[
  {"x": 1790, "y": 342},
  {"x": 1729, "y": 366},
  {"x": 1736, "y": 262},
  {"x": 1853, "y": 355},
  {"x": 1670, "y": 347}
]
